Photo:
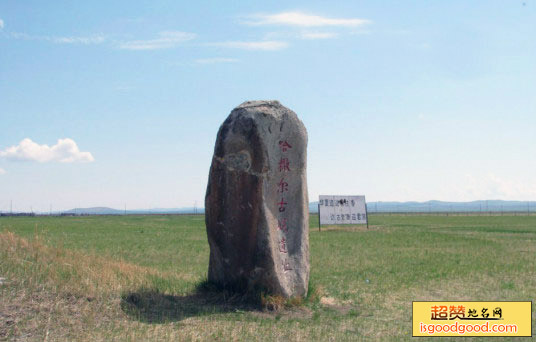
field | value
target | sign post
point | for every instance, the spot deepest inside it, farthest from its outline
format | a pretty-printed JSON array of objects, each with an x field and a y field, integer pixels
[
  {"x": 318, "y": 216},
  {"x": 336, "y": 209},
  {"x": 366, "y": 209}
]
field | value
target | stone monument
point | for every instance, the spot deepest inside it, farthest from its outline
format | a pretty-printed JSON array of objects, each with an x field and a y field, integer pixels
[{"x": 256, "y": 205}]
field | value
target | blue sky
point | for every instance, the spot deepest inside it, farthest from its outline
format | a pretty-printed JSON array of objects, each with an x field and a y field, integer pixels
[{"x": 114, "y": 103}]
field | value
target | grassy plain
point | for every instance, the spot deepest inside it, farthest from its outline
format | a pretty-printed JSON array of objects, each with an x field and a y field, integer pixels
[{"x": 131, "y": 278}]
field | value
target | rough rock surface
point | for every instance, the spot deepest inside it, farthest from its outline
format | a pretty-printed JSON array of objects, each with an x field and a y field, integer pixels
[{"x": 256, "y": 204}]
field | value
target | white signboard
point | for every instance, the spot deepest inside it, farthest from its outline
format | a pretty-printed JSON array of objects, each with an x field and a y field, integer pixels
[{"x": 342, "y": 210}]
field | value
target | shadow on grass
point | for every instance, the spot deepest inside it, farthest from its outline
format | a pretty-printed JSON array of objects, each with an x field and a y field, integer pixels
[{"x": 151, "y": 306}]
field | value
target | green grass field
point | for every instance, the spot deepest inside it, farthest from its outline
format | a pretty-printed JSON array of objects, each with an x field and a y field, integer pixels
[{"x": 131, "y": 278}]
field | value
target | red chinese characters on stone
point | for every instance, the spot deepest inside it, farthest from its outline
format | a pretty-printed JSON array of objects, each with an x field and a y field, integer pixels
[
  {"x": 282, "y": 186},
  {"x": 282, "y": 224},
  {"x": 283, "y": 246},
  {"x": 282, "y": 205},
  {"x": 284, "y": 146},
  {"x": 284, "y": 165}
]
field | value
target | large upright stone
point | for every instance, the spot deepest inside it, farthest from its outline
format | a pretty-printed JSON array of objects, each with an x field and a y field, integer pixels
[{"x": 256, "y": 206}]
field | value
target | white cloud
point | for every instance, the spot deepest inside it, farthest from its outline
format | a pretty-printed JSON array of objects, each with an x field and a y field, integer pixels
[
  {"x": 215, "y": 60},
  {"x": 269, "y": 45},
  {"x": 289, "y": 35},
  {"x": 303, "y": 20},
  {"x": 165, "y": 40},
  {"x": 318, "y": 35},
  {"x": 65, "y": 151},
  {"x": 20, "y": 35},
  {"x": 78, "y": 40},
  {"x": 85, "y": 40},
  {"x": 491, "y": 186},
  {"x": 2, "y": 171},
  {"x": 1, "y": 24}
]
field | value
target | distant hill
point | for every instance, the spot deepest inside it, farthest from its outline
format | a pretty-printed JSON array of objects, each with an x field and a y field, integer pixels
[
  {"x": 440, "y": 206},
  {"x": 186, "y": 210},
  {"x": 94, "y": 211},
  {"x": 429, "y": 206},
  {"x": 111, "y": 211}
]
